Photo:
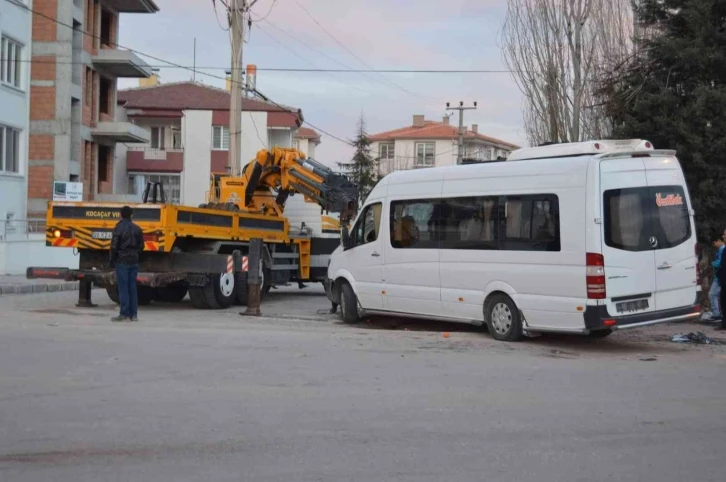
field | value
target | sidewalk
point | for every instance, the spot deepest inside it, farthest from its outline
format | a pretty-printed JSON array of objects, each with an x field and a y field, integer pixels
[{"x": 21, "y": 285}]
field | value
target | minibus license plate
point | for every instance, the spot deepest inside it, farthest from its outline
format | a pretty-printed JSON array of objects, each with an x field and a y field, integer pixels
[{"x": 635, "y": 305}]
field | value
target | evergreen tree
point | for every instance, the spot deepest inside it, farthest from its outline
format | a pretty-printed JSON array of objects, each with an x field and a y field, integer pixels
[
  {"x": 673, "y": 93},
  {"x": 361, "y": 170}
]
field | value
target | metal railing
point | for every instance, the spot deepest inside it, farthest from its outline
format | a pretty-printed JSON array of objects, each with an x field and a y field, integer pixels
[
  {"x": 154, "y": 154},
  {"x": 20, "y": 228}
]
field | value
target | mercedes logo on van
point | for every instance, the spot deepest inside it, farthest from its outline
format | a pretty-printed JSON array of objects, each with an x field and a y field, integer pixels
[{"x": 653, "y": 242}]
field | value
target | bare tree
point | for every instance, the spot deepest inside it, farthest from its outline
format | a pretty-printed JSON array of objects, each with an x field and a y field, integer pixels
[{"x": 558, "y": 50}]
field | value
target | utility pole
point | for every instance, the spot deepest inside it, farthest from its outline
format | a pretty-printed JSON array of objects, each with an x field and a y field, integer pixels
[
  {"x": 237, "y": 11},
  {"x": 461, "y": 109}
]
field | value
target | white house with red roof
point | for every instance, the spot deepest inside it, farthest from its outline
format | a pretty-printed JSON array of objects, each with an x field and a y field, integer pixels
[
  {"x": 306, "y": 140},
  {"x": 188, "y": 123},
  {"x": 428, "y": 143}
]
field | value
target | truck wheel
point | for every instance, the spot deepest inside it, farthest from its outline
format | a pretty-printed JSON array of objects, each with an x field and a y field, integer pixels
[
  {"x": 223, "y": 289},
  {"x": 266, "y": 281},
  {"x": 173, "y": 293},
  {"x": 145, "y": 294},
  {"x": 502, "y": 317},
  {"x": 241, "y": 289},
  {"x": 265, "y": 288},
  {"x": 113, "y": 293},
  {"x": 198, "y": 298},
  {"x": 349, "y": 304}
]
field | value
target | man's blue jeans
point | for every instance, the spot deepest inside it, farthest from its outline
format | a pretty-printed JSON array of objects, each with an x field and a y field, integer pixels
[
  {"x": 127, "y": 295},
  {"x": 713, "y": 297}
]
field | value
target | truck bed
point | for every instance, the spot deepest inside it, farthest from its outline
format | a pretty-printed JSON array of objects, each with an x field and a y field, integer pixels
[{"x": 88, "y": 225}]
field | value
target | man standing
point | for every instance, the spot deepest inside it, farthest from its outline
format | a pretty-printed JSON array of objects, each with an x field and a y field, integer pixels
[
  {"x": 714, "y": 293},
  {"x": 721, "y": 276},
  {"x": 126, "y": 245}
]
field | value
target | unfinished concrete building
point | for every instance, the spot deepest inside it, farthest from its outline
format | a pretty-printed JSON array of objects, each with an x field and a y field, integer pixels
[{"x": 76, "y": 62}]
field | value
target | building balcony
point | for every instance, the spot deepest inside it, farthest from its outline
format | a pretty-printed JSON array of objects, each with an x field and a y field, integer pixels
[
  {"x": 132, "y": 6},
  {"x": 120, "y": 132},
  {"x": 120, "y": 63},
  {"x": 146, "y": 159}
]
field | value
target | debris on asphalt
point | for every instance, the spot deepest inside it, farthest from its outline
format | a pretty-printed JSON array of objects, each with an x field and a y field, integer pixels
[
  {"x": 698, "y": 338},
  {"x": 650, "y": 358}
]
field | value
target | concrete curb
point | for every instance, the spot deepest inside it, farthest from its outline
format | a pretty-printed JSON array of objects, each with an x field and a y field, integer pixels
[{"x": 18, "y": 289}]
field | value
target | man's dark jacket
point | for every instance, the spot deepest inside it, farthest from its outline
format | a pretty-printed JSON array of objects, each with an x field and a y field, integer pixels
[{"x": 127, "y": 243}]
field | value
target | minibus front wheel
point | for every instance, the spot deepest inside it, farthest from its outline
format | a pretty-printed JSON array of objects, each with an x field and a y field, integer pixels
[
  {"x": 502, "y": 318},
  {"x": 349, "y": 304}
]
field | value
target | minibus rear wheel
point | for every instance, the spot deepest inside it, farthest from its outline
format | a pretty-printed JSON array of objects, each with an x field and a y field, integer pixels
[
  {"x": 349, "y": 304},
  {"x": 502, "y": 317}
]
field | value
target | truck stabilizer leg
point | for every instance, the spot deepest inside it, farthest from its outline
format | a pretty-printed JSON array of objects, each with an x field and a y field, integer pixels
[
  {"x": 85, "y": 288},
  {"x": 254, "y": 283}
]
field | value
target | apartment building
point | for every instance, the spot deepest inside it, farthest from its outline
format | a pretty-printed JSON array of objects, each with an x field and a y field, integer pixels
[
  {"x": 427, "y": 143},
  {"x": 15, "y": 40},
  {"x": 189, "y": 137},
  {"x": 73, "y": 89}
]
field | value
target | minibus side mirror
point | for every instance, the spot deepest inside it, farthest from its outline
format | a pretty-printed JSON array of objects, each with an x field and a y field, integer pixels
[{"x": 345, "y": 236}]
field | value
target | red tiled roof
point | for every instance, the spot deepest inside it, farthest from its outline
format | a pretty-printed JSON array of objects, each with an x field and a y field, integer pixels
[
  {"x": 189, "y": 96},
  {"x": 307, "y": 133},
  {"x": 435, "y": 130}
]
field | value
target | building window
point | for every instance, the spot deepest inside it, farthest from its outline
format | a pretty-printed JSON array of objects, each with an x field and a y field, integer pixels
[
  {"x": 9, "y": 150},
  {"x": 171, "y": 183},
  {"x": 104, "y": 162},
  {"x": 11, "y": 54},
  {"x": 106, "y": 28},
  {"x": 176, "y": 138},
  {"x": 220, "y": 138},
  {"x": 89, "y": 86},
  {"x": 385, "y": 150},
  {"x": 425, "y": 154},
  {"x": 105, "y": 94},
  {"x": 157, "y": 138}
]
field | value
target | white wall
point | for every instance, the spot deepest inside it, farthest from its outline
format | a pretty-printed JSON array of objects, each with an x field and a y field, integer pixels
[
  {"x": 197, "y": 139},
  {"x": 120, "y": 175},
  {"x": 307, "y": 146},
  {"x": 254, "y": 135},
  {"x": 15, "y": 23},
  {"x": 17, "y": 254},
  {"x": 280, "y": 137}
]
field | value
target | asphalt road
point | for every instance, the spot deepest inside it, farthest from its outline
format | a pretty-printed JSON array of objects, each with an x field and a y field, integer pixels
[{"x": 186, "y": 395}]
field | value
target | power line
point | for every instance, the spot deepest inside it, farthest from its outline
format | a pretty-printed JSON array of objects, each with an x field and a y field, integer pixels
[
  {"x": 289, "y": 49},
  {"x": 352, "y": 53},
  {"x": 305, "y": 122},
  {"x": 290, "y": 69},
  {"x": 158, "y": 59},
  {"x": 269, "y": 12}
]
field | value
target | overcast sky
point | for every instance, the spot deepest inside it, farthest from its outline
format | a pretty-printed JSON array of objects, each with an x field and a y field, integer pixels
[{"x": 385, "y": 34}]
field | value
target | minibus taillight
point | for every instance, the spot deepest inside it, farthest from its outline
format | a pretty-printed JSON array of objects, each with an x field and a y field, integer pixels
[{"x": 595, "y": 278}]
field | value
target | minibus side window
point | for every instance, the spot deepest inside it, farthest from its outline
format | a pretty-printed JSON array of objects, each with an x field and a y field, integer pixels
[
  {"x": 415, "y": 224},
  {"x": 470, "y": 223},
  {"x": 530, "y": 223},
  {"x": 368, "y": 226}
]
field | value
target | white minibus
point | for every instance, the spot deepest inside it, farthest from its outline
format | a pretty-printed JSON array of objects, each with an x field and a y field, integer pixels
[{"x": 585, "y": 237}]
